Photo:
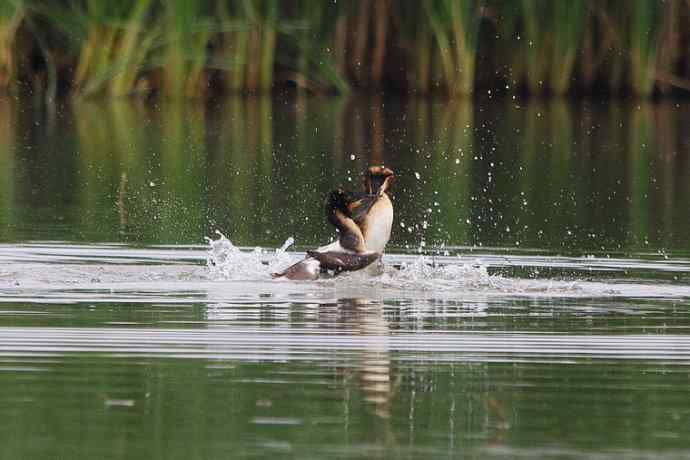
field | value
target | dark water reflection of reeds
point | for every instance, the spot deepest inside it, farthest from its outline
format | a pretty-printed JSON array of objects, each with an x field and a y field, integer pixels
[{"x": 554, "y": 175}]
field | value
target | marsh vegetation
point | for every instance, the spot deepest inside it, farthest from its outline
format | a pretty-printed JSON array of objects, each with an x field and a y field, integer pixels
[{"x": 194, "y": 49}]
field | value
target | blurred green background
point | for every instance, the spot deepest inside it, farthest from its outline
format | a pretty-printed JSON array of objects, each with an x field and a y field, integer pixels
[
  {"x": 574, "y": 178},
  {"x": 194, "y": 49}
]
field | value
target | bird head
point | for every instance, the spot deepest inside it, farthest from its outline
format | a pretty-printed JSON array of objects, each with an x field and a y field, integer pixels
[{"x": 378, "y": 180}]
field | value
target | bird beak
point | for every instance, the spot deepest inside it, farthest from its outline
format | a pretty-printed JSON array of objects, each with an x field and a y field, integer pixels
[{"x": 386, "y": 183}]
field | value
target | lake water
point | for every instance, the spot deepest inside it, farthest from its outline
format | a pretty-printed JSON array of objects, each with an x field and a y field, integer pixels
[{"x": 535, "y": 299}]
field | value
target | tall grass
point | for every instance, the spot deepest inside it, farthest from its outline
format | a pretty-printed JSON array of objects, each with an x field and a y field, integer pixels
[
  {"x": 11, "y": 15},
  {"x": 262, "y": 16},
  {"x": 535, "y": 43},
  {"x": 8, "y": 149},
  {"x": 108, "y": 42},
  {"x": 455, "y": 27},
  {"x": 193, "y": 49},
  {"x": 553, "y": 33},
  {"x": 643, "y": 36},
  {"x": 232, "y": 47},
  {"x": 568, "y": 19},
  {"x": 312, "y": 38},
  {"x": 420, "y": 51},
  {"x": 186, "y": 34},
  {"x": 135, "y": 42}
]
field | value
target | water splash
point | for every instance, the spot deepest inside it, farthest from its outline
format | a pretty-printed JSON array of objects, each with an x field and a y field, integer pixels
[
  {"x": 424, "y": 274},
  {"x": 58, "y": 273},
  {"x": 225, "y": 261},
  {"x": 228, "y": 262}
]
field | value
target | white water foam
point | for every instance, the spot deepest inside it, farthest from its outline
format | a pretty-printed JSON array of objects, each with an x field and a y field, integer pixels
[
  {"x": 221, "y": 272},
  {"x": 421, "y": 273},
  {"x": 226, "y": 261}
]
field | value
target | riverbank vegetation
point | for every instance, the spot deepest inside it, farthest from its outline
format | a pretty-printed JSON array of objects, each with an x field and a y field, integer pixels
[{"x": 196, "y": 49}]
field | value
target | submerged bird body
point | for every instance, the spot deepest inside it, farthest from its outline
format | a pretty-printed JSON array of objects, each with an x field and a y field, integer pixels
[
  {"x": 364, "y": 222},
  {"x": 337, "y": 260},
  {"x": 304, "y": 270}
]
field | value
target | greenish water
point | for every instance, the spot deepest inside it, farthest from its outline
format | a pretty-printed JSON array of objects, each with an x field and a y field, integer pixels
[
  {"x": 568, "y": 178},
  {"x": 535, "y": 300}
]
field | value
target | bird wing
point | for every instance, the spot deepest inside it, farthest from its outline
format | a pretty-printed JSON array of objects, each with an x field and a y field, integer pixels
[
  {"x": 359, "y": 204},
  {"x": 344, "y": 261},
  {"x": 338, "y": 214},
  {"x": 350, "y": 234}
]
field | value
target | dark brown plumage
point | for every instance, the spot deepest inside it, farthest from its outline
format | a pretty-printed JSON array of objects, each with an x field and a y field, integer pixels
[
  {"x": 363, "y": 220},
  {"x": 344, "y": 261}
]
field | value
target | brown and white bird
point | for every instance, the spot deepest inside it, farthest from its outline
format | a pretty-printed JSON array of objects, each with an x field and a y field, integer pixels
[{"x": 364, "y": 221}]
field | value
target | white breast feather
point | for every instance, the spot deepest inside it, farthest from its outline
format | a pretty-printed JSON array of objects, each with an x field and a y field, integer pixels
[{"x": 379, "y": 224}]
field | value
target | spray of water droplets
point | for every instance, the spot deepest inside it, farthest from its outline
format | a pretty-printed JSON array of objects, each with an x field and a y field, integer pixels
[{"x": 225, "y": 261}]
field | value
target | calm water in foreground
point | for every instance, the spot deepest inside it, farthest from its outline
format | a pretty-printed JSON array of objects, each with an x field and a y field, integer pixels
[{"x": 535, "y": 300}]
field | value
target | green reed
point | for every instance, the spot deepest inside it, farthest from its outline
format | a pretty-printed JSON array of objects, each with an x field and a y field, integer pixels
[
  {"x": 613, "y": 24},
  {"x": 422, "y": 61},
  {"x": 107, "y": 47},
  {"x": 8, "y": 173},
  {"x": 417, "y": 41},
  {"x": 135, "y": 43},
  {"x": 312, "y": 37},
  {"x": 552, "y": 38},
  {"x": 510, "y": 52},
  {"x": 643, "y": 37},
  {"x": 535, "y": 43},
  {"x": 11, "y": 15},
  {"x": 455, "y": 27},
  {"x": 262, "y": 17},
  {"x": 567, "y": 22},
  {"x": 669, "y": 46},
  {"x": 187, "y": 31},
  {"x": 192, "y": 49}
]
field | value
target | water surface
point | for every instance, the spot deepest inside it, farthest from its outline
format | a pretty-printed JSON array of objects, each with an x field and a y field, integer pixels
[{"x": 534, "y": 300}]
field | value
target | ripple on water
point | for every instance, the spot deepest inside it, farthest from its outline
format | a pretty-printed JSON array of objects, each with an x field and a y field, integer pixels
[
  {"x": 129, "y": 331},
  {"x": 305, "y": 344},
  {"x": 222, "y": 272}
]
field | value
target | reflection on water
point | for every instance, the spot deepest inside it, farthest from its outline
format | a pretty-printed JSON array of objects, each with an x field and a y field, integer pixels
[
  {"x": 570, "y": 178},
  {"x": 374, "y": 364},
  {"x": 112, "y": 351},
  {"x": 7, "y": 156},
  {"x": 546, "y": 319}
]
